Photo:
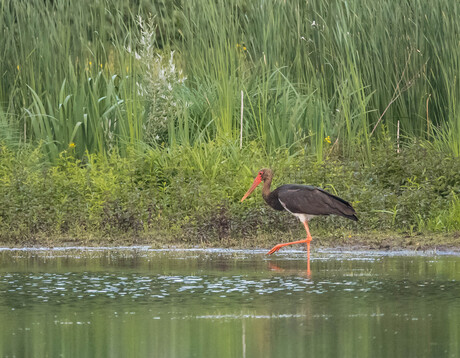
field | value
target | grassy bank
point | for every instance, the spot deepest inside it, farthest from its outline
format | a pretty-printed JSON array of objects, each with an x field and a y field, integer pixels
[
  {"x": 147, "y": 121},
  {"x": 190, "y": 196}
]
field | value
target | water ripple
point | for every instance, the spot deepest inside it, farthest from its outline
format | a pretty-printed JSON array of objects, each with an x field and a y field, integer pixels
[{"x": 70, "y": 286}]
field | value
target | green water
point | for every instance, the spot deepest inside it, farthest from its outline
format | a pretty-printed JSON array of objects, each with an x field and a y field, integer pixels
[{"x": 228, "y": 303}]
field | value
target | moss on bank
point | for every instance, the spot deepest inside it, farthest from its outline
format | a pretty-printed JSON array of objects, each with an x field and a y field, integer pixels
[{"x": 190, "y": 196}]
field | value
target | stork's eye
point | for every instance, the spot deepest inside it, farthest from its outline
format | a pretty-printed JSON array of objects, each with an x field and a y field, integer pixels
[{"x": 261, "y": 173}]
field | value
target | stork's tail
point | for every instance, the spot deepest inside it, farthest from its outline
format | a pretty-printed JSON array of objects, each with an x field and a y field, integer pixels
[{"x": 351, "y": 217}]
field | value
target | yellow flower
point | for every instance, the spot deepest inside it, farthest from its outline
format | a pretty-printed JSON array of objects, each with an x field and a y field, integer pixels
[
  {"x": 328, "y": 139},
  {"x": 101, "y": 65},
  {"x": 241, "y": 47},
  {"x": 71, "y": 145},
  {"x": 18, "y": 67},
  {"x": 90, "y": 63}
]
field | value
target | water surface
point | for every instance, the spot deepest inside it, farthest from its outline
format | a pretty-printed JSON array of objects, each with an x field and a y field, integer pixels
[{"x": 140, "y": 302}]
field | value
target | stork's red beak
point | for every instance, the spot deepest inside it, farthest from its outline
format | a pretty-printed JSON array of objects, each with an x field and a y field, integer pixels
[{"x": 256, "y": 182}]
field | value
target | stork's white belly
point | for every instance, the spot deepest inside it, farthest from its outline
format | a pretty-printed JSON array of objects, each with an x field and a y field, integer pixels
[{"x": 303, "y": 217}]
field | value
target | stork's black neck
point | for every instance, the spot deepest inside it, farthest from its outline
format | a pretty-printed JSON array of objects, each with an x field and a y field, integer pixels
[
  {"x": 266, "y": 188},
  {"x": 271, "y": 197}
]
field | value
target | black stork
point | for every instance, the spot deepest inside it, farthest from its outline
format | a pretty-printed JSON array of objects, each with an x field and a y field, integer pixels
[{"x": 302, "y": 201}]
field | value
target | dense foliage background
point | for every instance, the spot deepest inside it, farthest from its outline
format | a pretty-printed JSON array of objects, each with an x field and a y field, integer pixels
[{"x": 150, "y": 117}]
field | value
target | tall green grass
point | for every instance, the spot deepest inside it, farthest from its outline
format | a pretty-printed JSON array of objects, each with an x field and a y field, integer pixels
[
  {"x": 65, "y": 78},
  {"x": 350, "y": 59},
  {"x": 318, "y": 76}
]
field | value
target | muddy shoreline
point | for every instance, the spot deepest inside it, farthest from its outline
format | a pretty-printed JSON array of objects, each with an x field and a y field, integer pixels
[{"x": 369, "y": 241}]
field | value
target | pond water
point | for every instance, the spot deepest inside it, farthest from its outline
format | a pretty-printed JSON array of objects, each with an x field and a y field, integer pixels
[{"x": 139, "y": 302}]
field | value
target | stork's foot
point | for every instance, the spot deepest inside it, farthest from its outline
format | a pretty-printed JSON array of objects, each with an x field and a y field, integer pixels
[
  {"x": 275, "y": 249},
  {"x": 279, "y": 246}
]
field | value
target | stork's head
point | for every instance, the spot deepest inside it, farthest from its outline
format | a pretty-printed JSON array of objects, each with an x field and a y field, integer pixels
[{"x": 263, "y": 175}]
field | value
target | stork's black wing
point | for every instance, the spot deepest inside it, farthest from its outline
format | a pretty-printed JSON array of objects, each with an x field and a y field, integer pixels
[{"x": 310, "y": 200}]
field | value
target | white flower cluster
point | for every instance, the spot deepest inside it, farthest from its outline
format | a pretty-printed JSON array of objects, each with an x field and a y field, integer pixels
[{"x": 160, "y": 79}]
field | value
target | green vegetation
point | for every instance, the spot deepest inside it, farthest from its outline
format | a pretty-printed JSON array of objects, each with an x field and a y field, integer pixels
[
  {"x": 120, "y": 118},
  {"x": 190, "y": 195}
]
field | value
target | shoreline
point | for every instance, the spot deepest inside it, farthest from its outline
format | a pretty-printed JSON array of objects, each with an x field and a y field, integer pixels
[
  {"x": 293, "y": 253},
  {"x": 358, "y": 242}
]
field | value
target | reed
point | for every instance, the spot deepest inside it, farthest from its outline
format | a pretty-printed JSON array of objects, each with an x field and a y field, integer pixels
[{"x": 311, "y": 73}]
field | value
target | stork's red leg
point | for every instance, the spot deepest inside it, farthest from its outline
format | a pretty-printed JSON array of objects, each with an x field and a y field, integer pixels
[{"x": 307, "y": 241}]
